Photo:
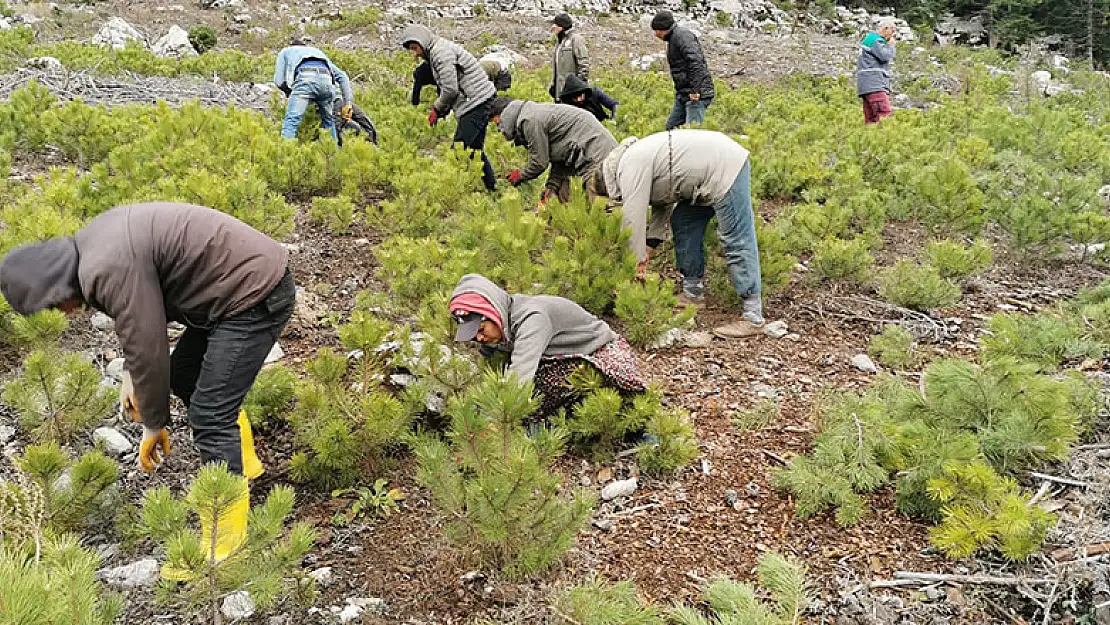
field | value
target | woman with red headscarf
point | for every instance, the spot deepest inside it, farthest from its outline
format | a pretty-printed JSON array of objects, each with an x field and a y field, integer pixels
[{"x": 546, "y": 337}]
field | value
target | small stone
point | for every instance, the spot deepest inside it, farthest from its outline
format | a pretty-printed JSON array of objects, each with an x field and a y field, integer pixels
[
  {"x": 114, "y": 369},
  {"x": 362, "y": 241},
  {"x": 752, "y": 489},
  {"x": 281, "y": 619},
  {"x": 276, "y": 354},
  {"x": 402, "y": 379},
  {"x": 697, "y": 339},
  {"x": 322, "y": 575},
  {"x": 713, "y": 369},
  {"x": 102, "y": 322},
  {"x": 793, "y": 336},
  {"x": 585, "y": 481},
  {"x": 864, "y": 363},
  {"x": 776, "y": 329},
  {"x": 765, "y": 391},
  {"x": 7, "y": 433},
  {"x": 48, "y": 63},
  {"x": 620, "y": 488},
  {"x": 292, "y": 248},
  {"x": 114, "y": 443},
  {"x": 238, "y": 606},
  {"x": 356, "y": 606},
  {"x": 932, "y": 593},
  {"x": 667, "y": 339},
  {"x": 242, "y": 18},
  {"x": 135, "y": 575},
  {"x": 604, "y": 525}
]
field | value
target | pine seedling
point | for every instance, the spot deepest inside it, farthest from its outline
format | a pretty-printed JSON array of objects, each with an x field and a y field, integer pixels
[
  {"x": 600, "y": 421},
  {"x": 676, "y": 446},
  {"x": 958, "y": 261},
  {"x": 757, "y": 417},
  {"x": 58, "y": 395},
  {"x": 22, "y": 513},
  {"x": 1047, "y": 340},
  {"x": 838, "y": 259},
  {"x": 57, "y": 587},
  {"x": 271, "y": 396},
  {"x": 917, "y": 287},
  {"x": 894, "y": 347},
  {"x": 336, "y": 213},
  {"x": 69, "y": 502},
  {"x": 363, "y": 334},
  {"x": 38, "y": 331},
  {"x": 597, "y": 602},
  {"x": 260, "y": 564},
  {"x": 785, "y": 579},
  {"x": 647, "y": 309},
  {"x": 737, "y": 603},
  {"x": 495, "y": 485}
]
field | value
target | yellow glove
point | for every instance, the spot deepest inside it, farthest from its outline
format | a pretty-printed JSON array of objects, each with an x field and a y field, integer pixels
[
  {"x": 154, "y": 448},
  {"x": 346, "y": 112}
]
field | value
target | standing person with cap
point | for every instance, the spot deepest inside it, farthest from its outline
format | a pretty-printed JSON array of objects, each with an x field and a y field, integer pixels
[
  {"x": 693, "y": 84},
  {"x": 463, "y": 86},
  {"x": 568, "y": 139},
  {"x": 701, "y": 174},
  {"x": 577, "y": 93},
  {"x": 873, "y": 71},
  {"x": 571, "y": 56},
  {"x": 547, "y": 339},
  {"x": 145, "y": 265},
  {"x": 306, "y": 76}
]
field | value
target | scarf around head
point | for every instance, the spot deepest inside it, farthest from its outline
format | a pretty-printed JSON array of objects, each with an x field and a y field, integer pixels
[
  {"x": 609, "y": 168},
  {"x": 475, "y": 303}
]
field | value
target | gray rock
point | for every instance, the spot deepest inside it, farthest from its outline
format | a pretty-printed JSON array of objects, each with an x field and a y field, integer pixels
[
  {"x": 667, "y": 339},
  {"x": 604, "y": 525},
  {"x": 114, "y": 443},
  {"x": 619, "y": 488},
  {"x": 100, "y": 321},
  {"x": 765, "y": 391},
  {"x": 864, "y": 363},
  {"x": 238, "y": 606},
  {"x": 7, "y": 433},
  {"x": 5, "y": 23},
  {"x": 776, "y": 329},
  {"x": 648, "y": 61},
  {"x": 242, "y": 18},
  {"x": 139, "y": 574},
  {"x": 322, "y": 575},
  {"x": 174, "y": 44},
  {"x": 48, "y": 63},
  {"x": 115, "y": 368},
  {"x": 402, "y": 379},
  {"x": 281, "y": 619},
  {"x": 356, "y": 606},
  {"x": 116, "y": 33},
  {"x": 1042, "y": 79},
  {"x": 276, "y": 354},
  {"x": 697, "y": 339}
]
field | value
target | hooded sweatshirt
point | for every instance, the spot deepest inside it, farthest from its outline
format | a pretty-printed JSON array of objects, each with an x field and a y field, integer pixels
[
  {"x": 537, "y": 326},
  {"x": 600, "y": 104},
  {"x": 463, "y": 84},
  {"x": 145, "y": 265},
  {"x": 697, "y": 167},
  {"x": 569, "y": 139},
  {"x": 570, "y": 58}
]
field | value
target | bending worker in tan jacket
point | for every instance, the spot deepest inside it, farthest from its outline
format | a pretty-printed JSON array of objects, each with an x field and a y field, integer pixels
[
  {"x": 146, "y": 265},
  {"x": 701, "y": 174}
]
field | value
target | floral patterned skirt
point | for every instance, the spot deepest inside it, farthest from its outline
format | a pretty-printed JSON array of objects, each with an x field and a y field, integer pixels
[{"x": 615, "y": 361}]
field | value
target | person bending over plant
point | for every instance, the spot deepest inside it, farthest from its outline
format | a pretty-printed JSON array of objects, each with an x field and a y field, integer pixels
[
  {"x": 547, "y": 339},
  {"x": 464, "y": 87},
  {"x": 307, "y": 76},
  {"x": 600, "y": 104},
  {"x": 700, "y": 173},
  {"x": 145, "y": 265},
  {"x": 568, "y": 139}
]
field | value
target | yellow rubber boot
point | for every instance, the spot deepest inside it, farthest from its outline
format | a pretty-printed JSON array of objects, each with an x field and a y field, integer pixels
[
  {"x": 252, "y": 466},
  {"x": 231, "y": 533}
]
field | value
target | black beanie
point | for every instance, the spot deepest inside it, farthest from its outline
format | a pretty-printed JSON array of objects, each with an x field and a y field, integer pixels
[
  {"x": 563, "y": 19},
  {"x": 663, "y": 20},
  {"x": 498, "y": 105}
]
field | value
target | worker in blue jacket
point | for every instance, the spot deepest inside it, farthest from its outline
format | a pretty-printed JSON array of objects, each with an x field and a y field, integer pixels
[{"x": 307, "y": 76}]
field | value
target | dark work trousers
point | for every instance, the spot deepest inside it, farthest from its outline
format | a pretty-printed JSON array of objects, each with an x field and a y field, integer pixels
[
  {"x": 212, "y": 369},
  {"x": 471, "y": 132}
]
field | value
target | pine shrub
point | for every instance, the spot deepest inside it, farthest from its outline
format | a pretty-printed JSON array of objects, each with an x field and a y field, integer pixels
[
  {"x": 85, "y": 488},
  {"x": 203, "y": 38},
  {"x": 261, "y": 564},
  {"x": 918, "y": 287},
  {"x": 58, "y": 395},
  {"x": 337, "y": 213},
  {"x": 597, "y": 602},
  {"x": 37, "y": 331},
  {"x": 957, "y": 261},
  {"x": 495, "y": 485},
  {"x": 271, "y": 396},
  {"x": 1047, "y": 340},
  {"x": 58, "y": 586},
  {"x": 729, "y": 602},
  {"x": 647, "y": 309},
  {"x": 838, "y": 259},
  {"x": 757, "y": 417},
  {"x": 894, "y": 347},
  {"x": 677, "y": 446}
]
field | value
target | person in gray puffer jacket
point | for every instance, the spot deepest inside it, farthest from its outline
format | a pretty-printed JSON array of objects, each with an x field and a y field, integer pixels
[
  {"x": 570, "y": 139},
  {"x": 464, "y": 87},
  {"x": 873, "y": 71},
  {"x": 547, "y": 339}
]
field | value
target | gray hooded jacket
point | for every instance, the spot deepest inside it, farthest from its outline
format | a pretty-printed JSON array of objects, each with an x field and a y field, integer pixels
[
  {"x": 535, "y": 326},
  {"x": 463, "y": 84},
  {"x": 568, "y": 138},
  {"x": 873, "y": 70}
]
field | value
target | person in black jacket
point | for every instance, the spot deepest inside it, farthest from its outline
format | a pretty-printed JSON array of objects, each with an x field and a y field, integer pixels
[
  {"x": 577, "y": 93},
  {"x": 692, "y": 83}
]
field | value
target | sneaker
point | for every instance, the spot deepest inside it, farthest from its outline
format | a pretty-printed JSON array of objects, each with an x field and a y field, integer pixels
[{"x": 739, "y": 329}]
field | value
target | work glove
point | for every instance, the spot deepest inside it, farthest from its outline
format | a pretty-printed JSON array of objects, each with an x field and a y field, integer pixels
[
  {"x": 544, "y": 197},
  {"x": 154, "y": 449},
  {"x": 346, "y": 112},
  {"x": 128, "y": 405},
  {"x": 433, "y": 117},
  {"x": 514, "y": 177}
]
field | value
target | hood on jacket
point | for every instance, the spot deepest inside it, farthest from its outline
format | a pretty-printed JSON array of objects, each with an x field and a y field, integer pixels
[
  {"x": 572, "y": 87},
  {"x": 420, "y": 34},
  {"x": 509, "y": 118},
  {"x": 501, "y": 300},
  {"x": 41, "y": 275},
  {"x": 610, "y": 168}
]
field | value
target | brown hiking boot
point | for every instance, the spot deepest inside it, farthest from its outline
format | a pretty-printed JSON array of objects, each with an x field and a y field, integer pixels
[{"x": 739, "y": 329}]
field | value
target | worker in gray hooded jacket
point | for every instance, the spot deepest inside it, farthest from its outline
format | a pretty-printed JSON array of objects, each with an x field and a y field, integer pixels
[
  {"x": 546, "y": 337},
  {"x": 464, "y": 87},
  {"x": 569, "y": 139},
  {"x": 701, "y": 174}
]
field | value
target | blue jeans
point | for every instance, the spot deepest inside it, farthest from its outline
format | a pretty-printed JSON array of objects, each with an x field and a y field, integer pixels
[
  {"x": 736, "y": 229},
  {"x": 309, "y": 88},
  {"x": 687, "y": 112}
]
